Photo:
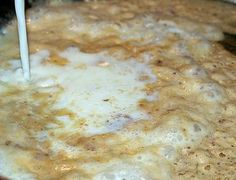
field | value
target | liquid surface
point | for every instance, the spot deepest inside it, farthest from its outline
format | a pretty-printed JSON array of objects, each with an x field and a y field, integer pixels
[{"x": 131, "y": 93}]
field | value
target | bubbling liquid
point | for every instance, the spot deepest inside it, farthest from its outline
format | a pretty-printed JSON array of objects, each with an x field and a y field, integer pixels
[{"x": 20, "y": 13}]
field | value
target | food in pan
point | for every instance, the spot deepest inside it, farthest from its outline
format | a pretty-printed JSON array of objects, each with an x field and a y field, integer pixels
[{"x": 120, "y": 90}]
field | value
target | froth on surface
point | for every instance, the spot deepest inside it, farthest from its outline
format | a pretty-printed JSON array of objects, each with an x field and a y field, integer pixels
[
  {"x": 108, "y": 101},
  {"x": 103, "y": 97}
]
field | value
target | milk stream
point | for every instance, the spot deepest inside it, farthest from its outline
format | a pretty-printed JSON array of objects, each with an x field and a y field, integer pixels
[{"x": 20, "y": 13}]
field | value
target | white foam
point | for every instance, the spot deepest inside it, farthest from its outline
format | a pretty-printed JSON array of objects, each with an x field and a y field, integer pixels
[
  {"x": 97, "y": 88},
  {"x": 58, "y": 146},
  {"x": 10, "y": 169},
  {"x": 42, "y": 136},
  {"x": 103, "y": 92},
  {"x": 210, "y": 91},
  {"x": 195, "y": 71},
  {"x": 14, "y": 74},
  {"x": 168, "y": 152},
  {"x": 152, "y": 97},
  {"x": 170, "y": 133},
  {"x": 156, "y": 32},
  {"x": 202, "y": 48},
  {"x": 139, "y": 166},
  {"x": 123, "y": 171}
]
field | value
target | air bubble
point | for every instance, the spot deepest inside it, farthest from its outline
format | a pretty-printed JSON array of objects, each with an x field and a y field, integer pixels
[
  {"x": 196, "y": 128},
  {"x": 211, "y": 91},
  {"x": 168, "y": 152},
  {"x": 195, "y": 72}
]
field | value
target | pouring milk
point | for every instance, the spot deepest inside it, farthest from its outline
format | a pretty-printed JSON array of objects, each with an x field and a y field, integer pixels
[{"x": 24, "y": 54}]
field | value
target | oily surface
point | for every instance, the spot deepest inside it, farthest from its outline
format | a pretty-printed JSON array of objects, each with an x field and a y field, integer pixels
[{"x": 184, "y": 122}]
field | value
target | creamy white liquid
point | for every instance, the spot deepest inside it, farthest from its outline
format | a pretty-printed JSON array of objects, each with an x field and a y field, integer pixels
[{"x": 20, "y": 13}]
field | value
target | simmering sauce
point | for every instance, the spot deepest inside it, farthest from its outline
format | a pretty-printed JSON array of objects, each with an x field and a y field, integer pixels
[{"x": 135, "y": 90}]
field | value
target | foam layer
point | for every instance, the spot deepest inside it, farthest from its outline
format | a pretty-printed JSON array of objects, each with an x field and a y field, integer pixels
[
  {"x": 139, "y": 101},
  {"x": 9, "y": 167},
  {"x": 96, "y": 87},
  {"x": 103, "y": 92}
]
